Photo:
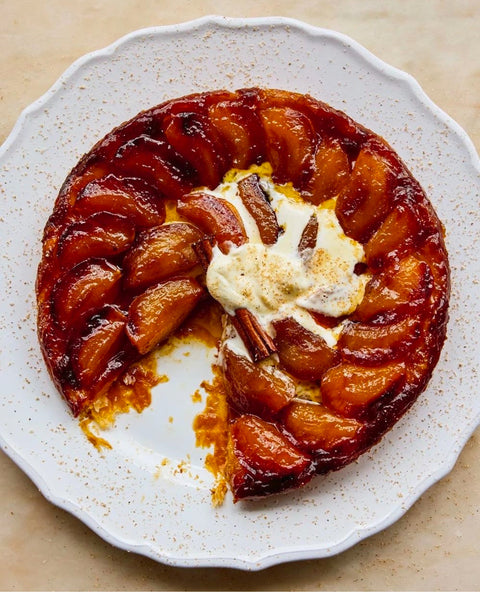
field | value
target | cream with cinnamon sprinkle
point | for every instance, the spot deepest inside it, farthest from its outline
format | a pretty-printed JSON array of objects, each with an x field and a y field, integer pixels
[{"x": 276, "y": 281}]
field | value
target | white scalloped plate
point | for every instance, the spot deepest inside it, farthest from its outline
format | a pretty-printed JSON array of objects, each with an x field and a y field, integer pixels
[{"x": 150, "y": 493}]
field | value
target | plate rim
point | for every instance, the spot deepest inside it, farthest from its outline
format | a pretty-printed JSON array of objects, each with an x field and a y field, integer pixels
[{"x": 267, "y": 559}]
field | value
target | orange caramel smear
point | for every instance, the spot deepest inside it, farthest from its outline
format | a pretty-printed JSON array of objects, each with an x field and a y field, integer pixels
[
  {"x": 132, "y": 390},
  {"x": 211, "y": 430}
]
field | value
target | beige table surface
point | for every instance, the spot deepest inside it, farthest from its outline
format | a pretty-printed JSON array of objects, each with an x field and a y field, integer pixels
[{"x": 436, "y": 545}]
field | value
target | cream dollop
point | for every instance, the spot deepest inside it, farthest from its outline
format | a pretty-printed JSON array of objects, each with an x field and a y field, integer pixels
[{"x": 276, "y": 281}]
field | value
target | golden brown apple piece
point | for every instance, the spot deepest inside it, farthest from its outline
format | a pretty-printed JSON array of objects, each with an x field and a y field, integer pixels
[
  {"x": 97, "y": 353},
  {"x": 192, "y": 135},
  {"x": 161, "y": 252},
  {"x": 263, "y": 460},
  {"x": 215, "y": 216},
  {"x": 370, "y": 344},
  {"x": 131, "y": 197},
  {"x": 160, "y": 310},
  {"x": 318, "y": 430},
  {"x": 351, "y": 389},
  {"x": 308, "y": 240},
  {"x": 254, "y": 389},
  {"x": 100, "y": 235},
  {"x": 301, "y": 352},
  {"x": 240, "y": 129},
  {"x": 433, "y": 251},
  {"x": 331, "y": 172},
  {"x": 397, "y": 237},
  {"x": 401, "y": 289},
  {"x": 83, "y": 291},
  {"x": 290, "y": 144},
  {"x": 256, "y": 202},
  {"x": 365, "y": 201},
  {"x": 154, "y": 160}
]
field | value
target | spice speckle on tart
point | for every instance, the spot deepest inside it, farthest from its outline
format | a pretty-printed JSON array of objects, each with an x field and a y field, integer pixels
[{"x": 293, "y": 237}]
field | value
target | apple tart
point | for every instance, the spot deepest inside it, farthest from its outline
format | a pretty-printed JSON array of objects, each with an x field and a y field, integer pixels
[{"x": 308, "y": 231}]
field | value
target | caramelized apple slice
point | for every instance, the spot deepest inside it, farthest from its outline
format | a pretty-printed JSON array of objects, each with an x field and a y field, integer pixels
[
  {"x": 83, "y": 291},
  {"x": 290, "y": 144},
  {"x": 317, "y": 430},
  {"x": 301, "y": 352},
  {"x": 331, "y": 172},
  {"x": 130, "y": 197},
  {"x": 100, "y": 235},
  {"x": 155, "y": 161},
  {"x": 255, "y": 389},
  {"x": 97, "y": 352},
  {"x": 308, "y": 240},
  {"x": 240, "y": 130},
  {"x": 215, "y": 217},
  {"x": 160, "y": 310},
  {"x": 375, "y": 344},
  {"x": 161, "y": 252},
  {"x": 433, "y": 251},
  {"x": 350, "y": 389},
  {"x": 263, "y": 461},
  {"x": 401, "y": 289},
  {"x": 258, "y": 206},
  {"x": 365, "y": 201},
  {"x": 397, "y": 237},
  {"x": 192, "y": 135}
]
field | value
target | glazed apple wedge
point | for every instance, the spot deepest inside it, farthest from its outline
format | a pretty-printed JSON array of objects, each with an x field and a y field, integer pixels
[
  {"x": 263, "y": 460},
  {"x": 351, "y": 389},
  {"x": 161, "y": 252},
  {"x": 160, "y": 310},
  {"x": 192, "y": 135},
  {"x": 82, "y": 291},
  {"x": 366, "y": 200},
  {"x": 239, "y": 128},
  {"x": 254, "y": 389},
  {"x": 132, "y": 197},
  {"x": 98, "y": 352},
  {"x": 331, "y": 172},
  {"x": 215, "y": 216},
  {"x": 154, "y": 160},
  {"x": 377, "y": 343},
  {"x": 100, "y": 235},
  {"x": 290, "y": 143},
  {"x": 301, "y": 352},
  {"x": 321, "y": 432},
  {"x": 399, "y": 290}
]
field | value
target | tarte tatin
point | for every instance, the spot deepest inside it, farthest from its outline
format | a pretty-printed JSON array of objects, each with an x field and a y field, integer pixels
[{"x": 307, "y": 229}]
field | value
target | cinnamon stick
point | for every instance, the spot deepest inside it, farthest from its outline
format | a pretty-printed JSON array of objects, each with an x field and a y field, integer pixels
[{"x": 258, "y": 343}]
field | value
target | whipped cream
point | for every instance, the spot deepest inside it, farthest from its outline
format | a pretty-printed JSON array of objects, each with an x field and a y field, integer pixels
[{"x": 277, "y": 281}]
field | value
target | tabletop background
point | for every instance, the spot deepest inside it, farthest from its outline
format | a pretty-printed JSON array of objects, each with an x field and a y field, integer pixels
[{"x": 435, "y": 546}]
